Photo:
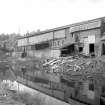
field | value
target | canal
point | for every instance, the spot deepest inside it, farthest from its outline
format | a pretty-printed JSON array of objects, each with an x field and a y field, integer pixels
[{"x": 47, "y": 100}]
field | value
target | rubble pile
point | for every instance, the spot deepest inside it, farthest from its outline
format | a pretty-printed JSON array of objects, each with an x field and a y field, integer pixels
[
  {"x": 70, "y": 65},
  {"x": 65, "y": 65}
]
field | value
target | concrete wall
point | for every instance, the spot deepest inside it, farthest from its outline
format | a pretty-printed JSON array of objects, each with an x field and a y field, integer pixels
[
  {"x": 22, "y": 42},
  {"x": 41, "y": 38},
  {"x": 69, "y": 37},
  {"x": 95, "y": 32},
  {"x": 59, "y": 33},
  {"x": 47, "y": 53}
]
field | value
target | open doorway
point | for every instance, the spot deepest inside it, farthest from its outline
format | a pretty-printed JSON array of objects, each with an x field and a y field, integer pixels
[
  {"x": 80, "y": 49},
  {"x": 91, "y": 49},
  {"x": 103, "y": 49}
]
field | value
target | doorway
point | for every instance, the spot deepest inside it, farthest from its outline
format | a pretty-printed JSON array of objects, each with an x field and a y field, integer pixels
[
  {"x": 103, "y": 49},
  {"x": 80, "y": 49},
  {"x": 91, "y": 48}
]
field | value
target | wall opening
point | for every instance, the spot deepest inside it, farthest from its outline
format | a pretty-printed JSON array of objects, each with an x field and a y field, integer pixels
[
  {"x": 68, "y": 50},
  {"x": 91, "y": 48},
  {"x": 91, "y": 86},
  {"x": 80, "y": 49},
  {"x": 103, "y": 49},
  {"x": 103, "y": 89}
]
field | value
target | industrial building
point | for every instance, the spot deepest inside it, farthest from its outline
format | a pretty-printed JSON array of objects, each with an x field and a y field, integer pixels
[{"x": 85, "y": 37}]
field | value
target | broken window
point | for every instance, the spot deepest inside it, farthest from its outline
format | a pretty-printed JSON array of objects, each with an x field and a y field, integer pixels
[
  {"x": 72, "y": 35},
  {"x": 91, "y": 86},
  {"x": 68, "y": 50},
  {"x": 24, "y": 54},
  {"x": 23, "y": 69},
  {"x": 91, "y": 48},
  {"x": 43, "y": 45},
  {"x": 58, "y": 43},
  {"x": 80, "y": 49},
  {"x": 68, "y": 83},
  {"x": 103, "y": 89},
  {"x": 55, "y": 44},
  {"x": 62, "y": 42}
]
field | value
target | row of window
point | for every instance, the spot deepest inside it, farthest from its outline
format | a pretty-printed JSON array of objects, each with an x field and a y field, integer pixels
[
  {"x": 44, "y": 45},
  {"x": 58, "y": 43}
]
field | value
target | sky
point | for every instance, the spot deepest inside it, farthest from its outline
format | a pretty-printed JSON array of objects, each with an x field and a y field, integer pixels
[{"x": 20, "y": 16}]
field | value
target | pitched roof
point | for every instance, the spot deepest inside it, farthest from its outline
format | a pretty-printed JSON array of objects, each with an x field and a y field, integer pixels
[{"x": 62, "y": 27}]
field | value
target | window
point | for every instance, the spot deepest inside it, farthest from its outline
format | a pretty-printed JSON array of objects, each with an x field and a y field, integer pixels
[
  {"x": 103, "y": 89},
  {"x": 32, "y": 47},
  {"x": 71, "y": 83},
  {"x": 72, "y": 35},
  {"x": 24, "y": 54},
  {"x": 43, "y": 45},
  {"x": 62, "y": 41},
  {"x": 58, "y": 43},
  {"x": 68, "y": 83},
  {"x": 80, "y": 49},
  {"x": 103, "y": 49},
  {"x": 54, "y": 43},
  {"x": 91, "y": 86},
  {"x": 23, "y": 69}
]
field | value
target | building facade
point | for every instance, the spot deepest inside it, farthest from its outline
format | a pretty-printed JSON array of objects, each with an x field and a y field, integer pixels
[{"x": 84, "y": 37}]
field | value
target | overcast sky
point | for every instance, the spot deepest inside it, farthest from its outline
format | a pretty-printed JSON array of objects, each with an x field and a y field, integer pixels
[{"x": 31, "y": 15}]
